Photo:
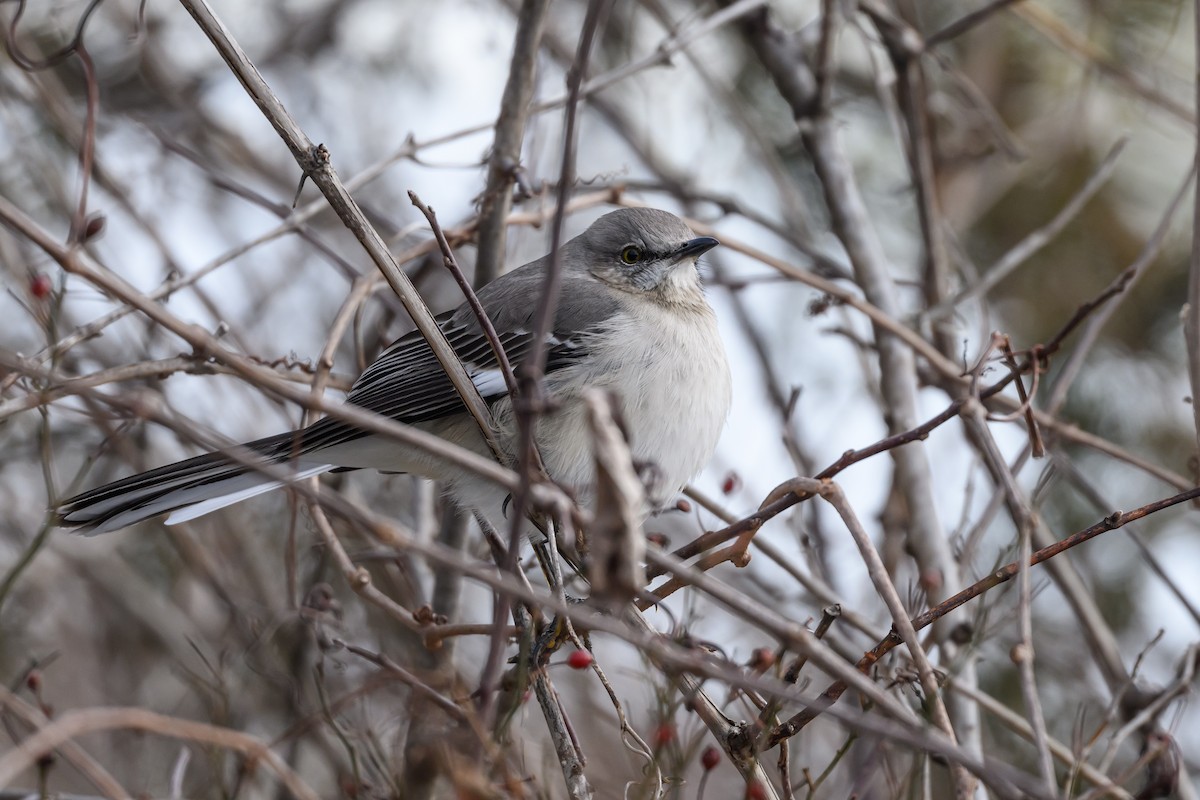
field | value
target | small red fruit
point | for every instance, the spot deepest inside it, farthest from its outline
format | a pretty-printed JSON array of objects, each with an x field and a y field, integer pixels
[
  {"x": 762, "y": 659},
  {"x": 731, "y": 483},
  {"x": 710, "y": 757},
  {"x": 579, "y": 659},
  {"x": 40, "y": 286},
  {"x": 755, "y": 791},
  {"x": 664, "y": 734}
]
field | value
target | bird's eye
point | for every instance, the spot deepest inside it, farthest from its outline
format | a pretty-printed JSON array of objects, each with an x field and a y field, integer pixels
[{"x": 631, "y": 254}]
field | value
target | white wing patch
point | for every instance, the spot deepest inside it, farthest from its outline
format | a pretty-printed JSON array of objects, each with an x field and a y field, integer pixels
[{"x": 489, "y": 382}]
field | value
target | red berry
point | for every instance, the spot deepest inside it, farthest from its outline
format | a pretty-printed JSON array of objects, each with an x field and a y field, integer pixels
[
  {"x": 664, "y": 734},
  {"x": 684, "y": 506},
  {"x": 40, "y": 286},
  {"x": 658, "y": 540},
  {"x": 710, "y": 757},
  {"x": 579, "y": 659},
  {"x": 34, "y": 680},
  {"x": 762, "y": 659},
  {"x": 755, "y": 791},
  {"x": 731, "y": 483}
]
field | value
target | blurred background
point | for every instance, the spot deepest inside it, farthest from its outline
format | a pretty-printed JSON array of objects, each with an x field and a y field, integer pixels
[{"x": 1056, "y": 140}]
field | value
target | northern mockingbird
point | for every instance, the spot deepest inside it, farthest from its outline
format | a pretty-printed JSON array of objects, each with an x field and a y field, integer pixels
[{"x": 632, "y": 319}]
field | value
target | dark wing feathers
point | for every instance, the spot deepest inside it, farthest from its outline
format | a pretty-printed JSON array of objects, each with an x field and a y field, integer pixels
[{"x": 407, "y": 383}]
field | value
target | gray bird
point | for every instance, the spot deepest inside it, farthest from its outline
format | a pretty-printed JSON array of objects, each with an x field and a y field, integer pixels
[{"x": 632, "y": 319}]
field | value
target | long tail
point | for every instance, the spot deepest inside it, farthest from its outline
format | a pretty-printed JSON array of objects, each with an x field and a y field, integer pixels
[{"x": 187, "y": 489}]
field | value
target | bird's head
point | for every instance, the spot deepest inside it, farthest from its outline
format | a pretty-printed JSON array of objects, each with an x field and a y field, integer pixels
[{"x": 644, "y": 251}]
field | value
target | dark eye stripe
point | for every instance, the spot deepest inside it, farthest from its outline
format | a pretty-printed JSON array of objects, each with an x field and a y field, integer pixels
[{"x": 646, "y": 255}]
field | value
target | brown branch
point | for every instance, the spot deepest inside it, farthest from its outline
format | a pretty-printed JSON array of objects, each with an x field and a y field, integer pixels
[
  {"x": 531, "y": 395},
  {"x": 966, "y": 22},
  {"x": 1191, "y": 320},
  {"x": 1000, "y": 576},
  {"x": 1120, "y": 285},
  {"x": 505, "y": 158},
  {"x": 158, "y": 369},
  {"x": 451, "y": 708},
  {"x": 74, "y": 724},
  {"x": 315, "y": 163},
  {"x": 753, "y": 522},
  {"x": 485, "y": 324}
]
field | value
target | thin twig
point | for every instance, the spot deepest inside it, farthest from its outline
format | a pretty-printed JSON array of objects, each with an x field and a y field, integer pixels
[
  {"x": 533, "y": 369},
  {"x": 967, "y": 22},
  {"x": 1191, "y": 319},
  {"x": 1023, "y": 250},
  {"x": 999, "y": 576},
  {"x": 73, "y": 724},
  {"x": 315, "y": 164},
  {"x": 485, "y": 324},
  {"x": 505, "y": 157},
  {"x": 452, "y": 709}
]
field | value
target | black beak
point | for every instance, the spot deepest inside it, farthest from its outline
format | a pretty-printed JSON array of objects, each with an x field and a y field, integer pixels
[{"x": 695, "y": 247}]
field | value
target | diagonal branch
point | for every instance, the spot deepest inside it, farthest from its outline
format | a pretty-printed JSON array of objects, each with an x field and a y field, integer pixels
[
  {"x": 505, "y": 158},
  {"x": 315, "y": 164}
]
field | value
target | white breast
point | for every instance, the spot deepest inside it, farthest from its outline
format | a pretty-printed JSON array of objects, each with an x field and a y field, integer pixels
[{"x": 668, "y": 368}]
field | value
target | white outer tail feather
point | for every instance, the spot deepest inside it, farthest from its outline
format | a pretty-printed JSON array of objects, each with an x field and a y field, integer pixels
[
  {"x": 210, "y": 504},
  {"x": 184, "y": 503}
]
